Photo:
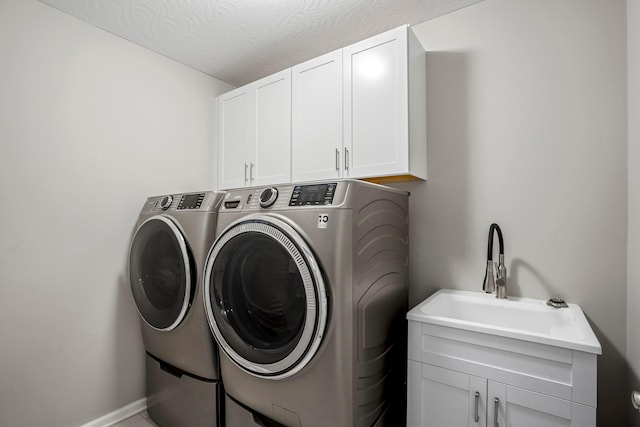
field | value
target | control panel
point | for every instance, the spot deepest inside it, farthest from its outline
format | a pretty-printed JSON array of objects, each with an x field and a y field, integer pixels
[
  {"x": 320, "y": 194},
  {"x": 179, "y": 202}
]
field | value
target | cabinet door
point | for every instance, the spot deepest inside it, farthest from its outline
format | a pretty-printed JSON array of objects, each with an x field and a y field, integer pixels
[
  {"x": 516, "y": 407},
  {"x": 317, "y": 118},
  {"x": 270, "y": 157},
  {"x": 376, "y": 105},
  {"x": 438, "y": 397},
  {"x": 236, "y": 127}
]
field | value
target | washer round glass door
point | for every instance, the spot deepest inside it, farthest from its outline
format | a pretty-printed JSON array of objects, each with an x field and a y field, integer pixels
[
  {"x": 160, "y": 273},
  {"x": 265, "y": 297}
]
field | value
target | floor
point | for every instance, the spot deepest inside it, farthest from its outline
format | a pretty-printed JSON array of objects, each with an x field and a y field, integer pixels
[{"x": 138, "y": 420}]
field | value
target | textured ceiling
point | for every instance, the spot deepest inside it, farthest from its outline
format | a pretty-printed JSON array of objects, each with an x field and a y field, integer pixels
[{"x": 239, "y": 41}]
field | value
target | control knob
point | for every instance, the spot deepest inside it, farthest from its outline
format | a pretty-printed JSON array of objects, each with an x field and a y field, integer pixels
[
  {"x": 268, "y": 197},
  {"x": 165, "y": 203}
]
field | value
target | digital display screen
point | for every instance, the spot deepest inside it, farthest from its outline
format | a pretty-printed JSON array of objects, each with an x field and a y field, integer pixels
[
  {"x": 313, "y": 193},
  {"x": 191, "y": 201},
  {"x": 316, "y": 194}
]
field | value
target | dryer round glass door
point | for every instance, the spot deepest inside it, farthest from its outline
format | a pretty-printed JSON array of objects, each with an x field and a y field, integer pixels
[
  {"x": 265, "y": 297},
  {"x": 160, "y": 273}
]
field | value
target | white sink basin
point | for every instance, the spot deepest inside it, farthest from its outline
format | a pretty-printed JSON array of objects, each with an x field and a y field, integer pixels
[{"x": 521, "y": 318}]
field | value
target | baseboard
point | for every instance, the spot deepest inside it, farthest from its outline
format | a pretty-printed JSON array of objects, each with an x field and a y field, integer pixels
[{"x": 119, "y": 414}]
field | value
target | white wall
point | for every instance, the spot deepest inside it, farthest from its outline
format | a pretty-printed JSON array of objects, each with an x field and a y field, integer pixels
[
  {"x": 633, "y": 256},
  {"x": 527, "y": 128},
  {"x": 90, "y": 125}
]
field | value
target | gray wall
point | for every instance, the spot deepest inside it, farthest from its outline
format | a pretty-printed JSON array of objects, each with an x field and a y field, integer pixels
[
  {"x": 527, "y": 128},
  {"x": 633, "y": 256},
  {"x": 90, "y": 125}
]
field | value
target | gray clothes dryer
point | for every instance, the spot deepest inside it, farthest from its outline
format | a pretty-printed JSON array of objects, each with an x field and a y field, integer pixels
[
  {"x": 305, "y": 290},
  {"x": 166, "y": 260}
]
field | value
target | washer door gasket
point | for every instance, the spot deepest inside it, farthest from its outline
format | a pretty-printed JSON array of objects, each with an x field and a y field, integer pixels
[{"x": 265, "y": 297}]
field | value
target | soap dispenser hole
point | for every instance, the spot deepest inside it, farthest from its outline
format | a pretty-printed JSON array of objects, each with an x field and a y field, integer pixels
[{"x": 557, "y": 302}]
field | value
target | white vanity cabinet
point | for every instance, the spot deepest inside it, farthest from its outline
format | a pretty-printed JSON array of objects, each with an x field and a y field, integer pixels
[
  {"x": 458, "y": 377},
  {"x": 448, "y": 398},
  {"x": 254, "y": 133},
  {"x": 385, "y": 119}
]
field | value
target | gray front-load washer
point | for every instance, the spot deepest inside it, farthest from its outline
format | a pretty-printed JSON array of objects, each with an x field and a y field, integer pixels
[
  {"x": 166, "y": 261},
  {"x": 305, "y": 290}
]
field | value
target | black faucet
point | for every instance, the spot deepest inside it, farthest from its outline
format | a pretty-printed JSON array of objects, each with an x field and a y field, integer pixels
[{"x": 495, "y": 280}]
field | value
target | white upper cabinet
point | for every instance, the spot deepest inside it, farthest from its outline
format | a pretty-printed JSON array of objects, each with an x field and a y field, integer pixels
[
  {"x": 236, "y": 127},
  {"x": 272, "y": 150},
  {"x": 357, "y": 112},
  {"x": 254, "y": 133},
  {"x": 385, "y": 131},
  {"x": 317, "y": 149}
]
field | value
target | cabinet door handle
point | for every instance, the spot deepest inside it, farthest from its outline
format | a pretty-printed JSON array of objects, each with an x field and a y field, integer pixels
[
  {"x": 496, "y": 404},
  {"x": 346, "y": 158},
  {"x": 251, "y": 165},
  {"x": 337, "y": 159},
  {"x": 476, "y": 417},
  {"x": 245, "y": 172}
]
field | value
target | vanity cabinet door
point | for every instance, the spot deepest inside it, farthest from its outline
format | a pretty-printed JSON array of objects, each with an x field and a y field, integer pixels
[
  {"x": 317, "y": 150},
  {"x": 440, "y": 397},
  {"x": 517, "y": 407}
]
